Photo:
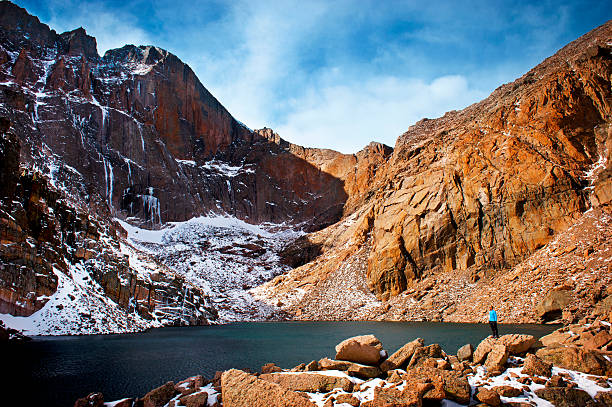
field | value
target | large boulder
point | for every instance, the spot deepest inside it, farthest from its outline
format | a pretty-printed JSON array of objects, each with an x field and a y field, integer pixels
[
  {"x": 392, "y": 397},
  {"x": 565, "y": 396},
  {"x": 160, "y": 396},
  {"x": 455, "y": 386},
  {"x": 433, "y": 351},
  {"x": 598, "y": 341},
  {"x": 401, "y": 357},
  {"x": 551, "y": 306},
  {"x": 534, "y": 366},
  {"x": 309, "y": 382},
  {"x": 364, "y": 349},
  {"x": 352, "y": 369},
  {"x": 241, "y": 389},
  {"x": 488, "y": 396},
  {"x": 465, "y": 352},
  {"x": 496, "y": 359},
  {"x": 558, "y": 338},
  {"x": 515, "y": 344},
  {"x": 199, "y": 399},
  {"x": 575, "y": 358}
]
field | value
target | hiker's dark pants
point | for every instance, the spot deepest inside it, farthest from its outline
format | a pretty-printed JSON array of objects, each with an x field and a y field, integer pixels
[{"x": 494, "y": 328}]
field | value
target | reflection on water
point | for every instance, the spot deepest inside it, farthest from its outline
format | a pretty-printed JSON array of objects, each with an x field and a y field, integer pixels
[{"x": 58, "y": 370}]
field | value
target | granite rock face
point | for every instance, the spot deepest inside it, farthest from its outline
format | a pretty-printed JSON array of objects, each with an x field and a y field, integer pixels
[
  {"x": 476, "y": 193},
  {"x": 146, "y": 137}
]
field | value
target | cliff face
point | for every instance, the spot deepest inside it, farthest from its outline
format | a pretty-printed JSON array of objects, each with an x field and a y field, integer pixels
[
  {"x": 146, "y": 136},
  {"x": 474, "y": 191},
  {"x": 420, "y": 231},
  {"x": 134, "y": 135}
]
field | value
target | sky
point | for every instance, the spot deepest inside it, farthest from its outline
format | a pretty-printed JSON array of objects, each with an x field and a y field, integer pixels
[{"x": 338, "y": 73}]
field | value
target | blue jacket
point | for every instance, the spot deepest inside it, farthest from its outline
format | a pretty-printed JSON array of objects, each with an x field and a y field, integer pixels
[{"x": 492, "y": 316}]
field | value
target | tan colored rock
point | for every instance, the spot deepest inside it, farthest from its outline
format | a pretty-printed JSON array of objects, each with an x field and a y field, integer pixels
[
  {"x": 534, "y": 366},
  {"x": 465, "y": 352},
  {"x": 496, "y": 359},
  {"x": 391, "y": 397},
  {"x": 160, "y": 396},
  {"x": 575, "y": 358},
  {"x": 364, "y": 349},
  {"x": 309, "y": 382},
  {"x": 348, "y": 399},
  {"x": 557, "y": 338},
  {"x": 507, "y": 391},
  {"x": 426, "y": 353},
  {"x": 564, "y": 396},
  {"x": 515, "y": 344},
  {"x": 488, "y": 396},
  {"x": 598, "y": 341},
  {"x": 401, "y": 357},
  {"x": 353, "y": 369},
  {"x": 199, "y": 399},
  {"x": 241, "y": 389},
  {"x": 270, "y": 368},
  {"x": 455, "y": 385}
]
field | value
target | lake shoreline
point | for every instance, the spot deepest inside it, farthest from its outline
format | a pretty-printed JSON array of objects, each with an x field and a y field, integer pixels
[{"x": 516, "y": 370}]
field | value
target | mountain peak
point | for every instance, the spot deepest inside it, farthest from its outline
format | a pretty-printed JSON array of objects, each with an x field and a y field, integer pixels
[{"x": 79, "y": 43}]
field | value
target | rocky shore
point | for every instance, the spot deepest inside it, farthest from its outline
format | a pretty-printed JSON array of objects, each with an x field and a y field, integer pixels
[{"x": 570, "y": 367}]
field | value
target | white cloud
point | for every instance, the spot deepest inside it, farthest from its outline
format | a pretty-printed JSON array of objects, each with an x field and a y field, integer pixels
[{"x": 347, "y": 117}]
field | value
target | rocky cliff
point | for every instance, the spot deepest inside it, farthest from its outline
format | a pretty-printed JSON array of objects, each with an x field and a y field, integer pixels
[
  {"x": 135, "y": 135},
  {"x": 456, "y": 216},
  {"x": 466, "y": 197},
  {"x": 144, "y": 135}
]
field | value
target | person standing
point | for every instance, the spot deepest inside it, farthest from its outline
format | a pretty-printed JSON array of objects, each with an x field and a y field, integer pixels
[{"x": 493, "y": 322}]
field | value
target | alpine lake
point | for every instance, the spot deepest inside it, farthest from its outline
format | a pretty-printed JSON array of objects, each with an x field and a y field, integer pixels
[{"x": 55, "y": 371}]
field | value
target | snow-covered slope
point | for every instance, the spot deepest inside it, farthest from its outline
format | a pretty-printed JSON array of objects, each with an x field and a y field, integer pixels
[{"x": 224, "y": 256}]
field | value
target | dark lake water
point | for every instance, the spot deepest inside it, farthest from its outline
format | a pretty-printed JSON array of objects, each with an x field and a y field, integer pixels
[{"x": 55, "y": 371}]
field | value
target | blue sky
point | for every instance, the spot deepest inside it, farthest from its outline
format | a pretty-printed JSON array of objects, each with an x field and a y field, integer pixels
[{"x": 338, "y": 74}]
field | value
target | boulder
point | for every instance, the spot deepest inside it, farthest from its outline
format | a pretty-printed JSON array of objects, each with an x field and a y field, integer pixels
[
  {"x": 557, "y": 338},
  {"x": 190, "y": 385},
  {"x": 270, "y": 368},
  {"x": 424, "y": 353},
  {"x": 488, "y": 396},
  {"x": 534, "y": 366},
  {"x": 364, "y": 349},
  {"x": 92, "y": 400},
  {"x": 353, "y": 369},
  {"x": 551, "y": 306},
  {"x": 347, "y": 399},
  {"x": 199, "y": 399},
  {"x": 507, "y": 391},
  {"x": 160, "y": 396},
  {"x": 575, "y": 358},
  {"x": 496, "y": 359},
  {"x": 564, "y": 396},
  {"x": 465, "y": 352},
  {"x": 241, "y": 389},
  {"x": 556, "y": 381},
  {"x": 456, "y": 387},
  {"x": 401, "y": 356},
  {"x": 515, "y": 344},
  {"x": 309, "y": 382},
  {"x": 392, "y": 397},
  {"x": 312, "y": 366},
  {"x": 598, "y": 341}
]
